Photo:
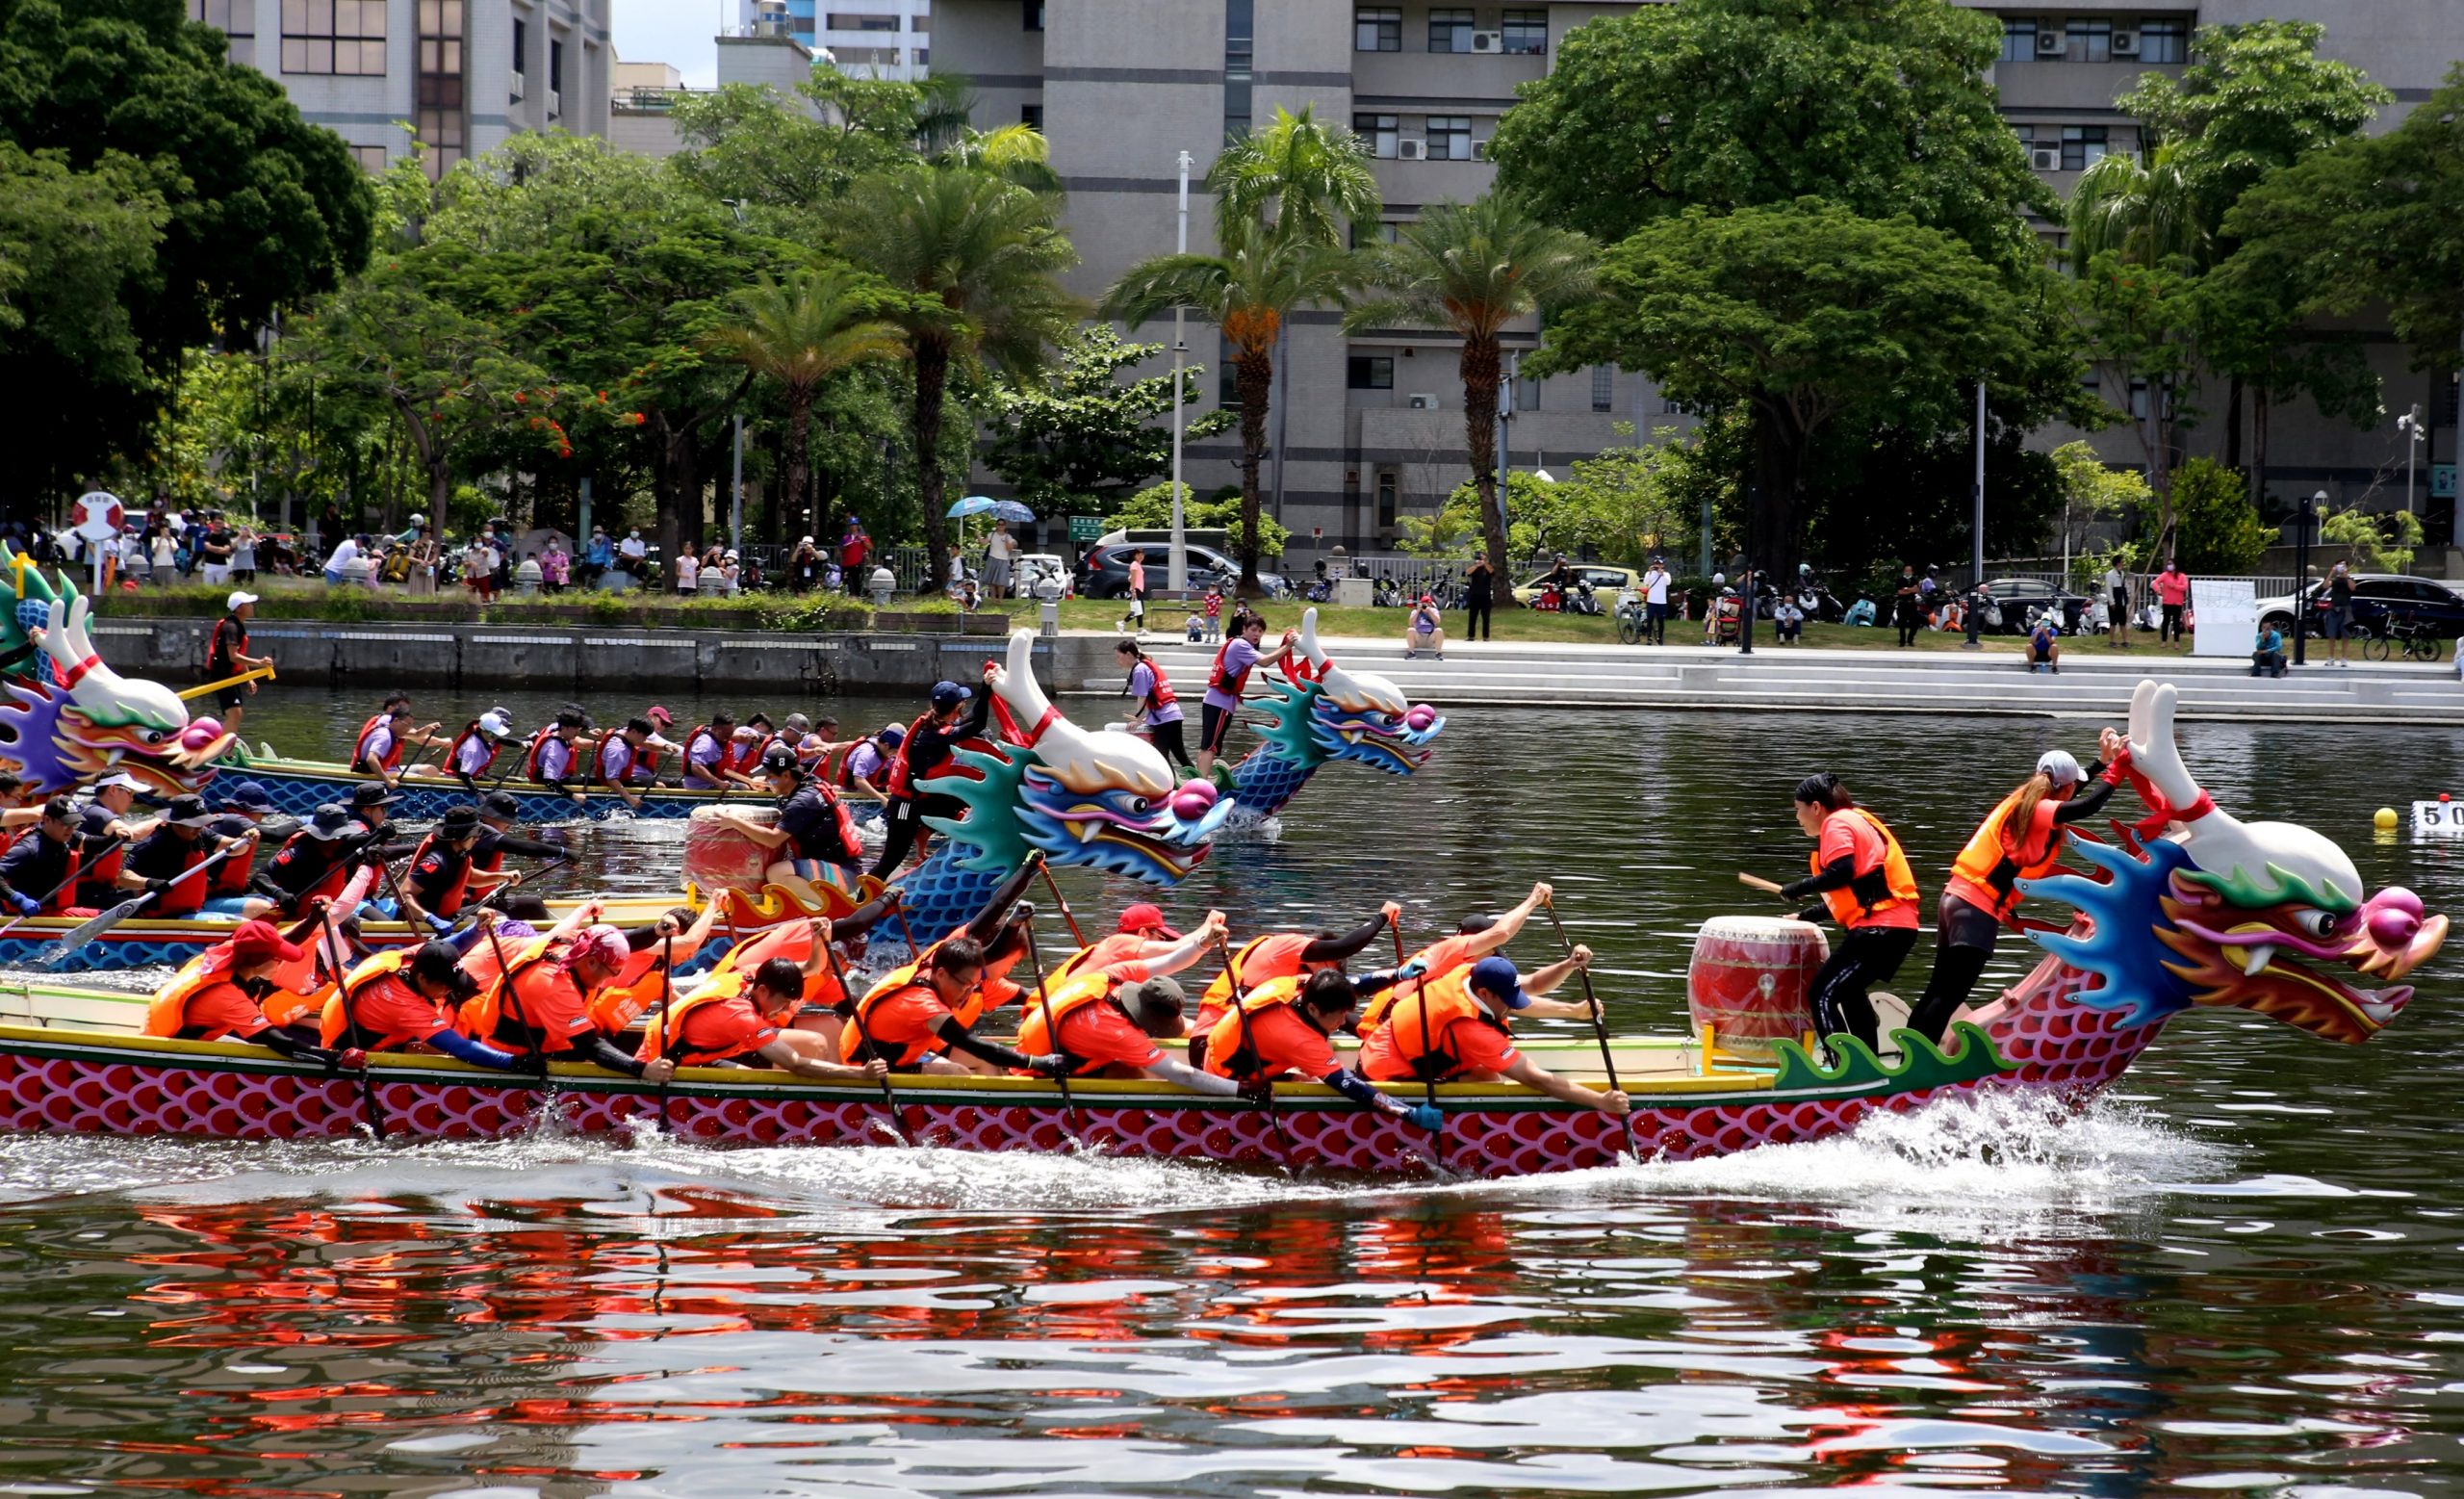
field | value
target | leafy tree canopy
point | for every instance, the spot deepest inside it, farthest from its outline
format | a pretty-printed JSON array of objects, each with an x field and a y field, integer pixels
[
  {"x": 1080, "y": 429},
  {"x": 1151, "y": 510},
  {"x": 2215, "y": 528}
]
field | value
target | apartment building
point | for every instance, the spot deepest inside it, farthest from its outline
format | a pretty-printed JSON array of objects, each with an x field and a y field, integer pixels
[
  {"x": 1370, "y": 427},
  {"x": 878, "y": 39},
  {"x": 463, "y": 74}
]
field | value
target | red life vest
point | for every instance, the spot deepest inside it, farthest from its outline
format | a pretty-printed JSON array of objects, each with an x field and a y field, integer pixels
[
  {"x": 531, "y": 759},
  {"x": 900, "y": 776},
  {"x": 454, "y": 751},
  {"x": 449, "y": 902},
  {"x": 1163, "y": 696},
  {"x": 600, "y": 758},
  {"x": 66, "y": 896},
  {"x": 359, "y": 747},
  {"x": 1217, "y": 681},
  {"x": 847, "y": 839},
  {"x": 231, "y": 875},
  {"x": 187, "y": 894},
  {"x": 701, "y": 731}
]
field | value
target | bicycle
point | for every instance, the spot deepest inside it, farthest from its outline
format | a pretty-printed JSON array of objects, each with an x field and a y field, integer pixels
[
  {"x": 1634, "y": 625},
  {"x": 2421, "y": 641}
]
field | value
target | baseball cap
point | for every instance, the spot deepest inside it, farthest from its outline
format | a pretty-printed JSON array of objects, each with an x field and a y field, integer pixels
[
  {"x": 658, "y": 714},
  {"x": 257, "y": 941},
  {"x": 494, "y": 727},
  {"x": 459, "y": 823},
  {"x": 947, "y": 696},
  {"x": 248, "y": 796},
  {"x": 123, "y": 778},
  {"x": 893, "y": 733},
  {"x": 187, "y": 812},
  {"x": 1146, "y": 916},
  {"x": 2060, "y": 768},
  {"x": 239, "y": 596},
  {"x": 778, "y": 760},
  {"x": 500, "y": 804},
  {"x": 1499, "y": 977},
  {"x": 328, "y": 821},
  {"x": 372, "y": 793}
]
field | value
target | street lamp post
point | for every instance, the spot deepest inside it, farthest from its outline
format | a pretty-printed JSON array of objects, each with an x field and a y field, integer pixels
[
  {"x": 1177, "y": 574},
  {"x": 2301, "y": 519},
  {"x": 2411, "y": 425}
]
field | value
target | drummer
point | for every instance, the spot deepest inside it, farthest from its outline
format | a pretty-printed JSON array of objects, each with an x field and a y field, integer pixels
[
  {"x": 1863, "y": 878},
  {"x": 814, "y": 834}
]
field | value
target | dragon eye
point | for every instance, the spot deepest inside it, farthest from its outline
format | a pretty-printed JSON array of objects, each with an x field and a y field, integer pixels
[
  {"x": 2316, "y": 924},
  {"x": 153, "y": 735},
  {"x": 1139, "y": 804}
]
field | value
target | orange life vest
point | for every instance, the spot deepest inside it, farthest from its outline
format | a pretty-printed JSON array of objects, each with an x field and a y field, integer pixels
[
  {"x": 636, "y": 989},
  {"x": 657, "y": 1028},
  {"x": 393, "y": 755},
  {"x": 1434, "y": 1012},
  {"x": 1037, "y": 1038},
  {"x": 1102, "y": 953},
  {"x": 1874, "y": 890},
  {"x": 1229, "y": 1052},
  {"x": 1374, "y": 1013},
  {"x": 168, "y": 1012},
  {"x": 853, "y": 1040},
  {"x": 1219, "y": 991},
  {"x": 517, "y": 993},
  {"x": 1998, "y": 855},
  {"x": 337, "y": 1021}
]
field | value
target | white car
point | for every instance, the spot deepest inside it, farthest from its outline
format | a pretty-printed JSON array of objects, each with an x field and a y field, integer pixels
[{"x": 1032, "y": 566}]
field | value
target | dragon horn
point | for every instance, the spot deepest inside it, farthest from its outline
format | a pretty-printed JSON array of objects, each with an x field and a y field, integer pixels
[
  {"x": 2152, "y": 747},
  {"x": 1309, "y": 646},
  {"x": 1016, "y": 681}
]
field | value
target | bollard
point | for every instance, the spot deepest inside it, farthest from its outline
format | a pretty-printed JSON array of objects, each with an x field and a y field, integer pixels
[
  {"x": 1048, "y": 616},
  {"x": 881, "y": 585}
]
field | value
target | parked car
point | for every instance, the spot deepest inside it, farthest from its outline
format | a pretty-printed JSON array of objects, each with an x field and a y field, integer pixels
[
  {"x": 1607, "y": 582},
  {"x": 2432, "y": 606},
  {"x": 2020, "y": 600},
  {"x": 1103, "y": 573}
]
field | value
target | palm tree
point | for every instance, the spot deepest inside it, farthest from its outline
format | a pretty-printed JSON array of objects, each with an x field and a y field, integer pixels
[
  {"x": 1470, "y": 269},
  {"x": 1298, "y": 178},
  {"x": 2148, "y": 213},
  {"x": 1249, "y": 291},
  {"x": 800, "y": 333},
  {"x": 976, "y": 255}
]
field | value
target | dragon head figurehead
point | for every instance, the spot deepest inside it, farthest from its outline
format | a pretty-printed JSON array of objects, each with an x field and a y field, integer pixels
[
  {"x": 1329, "y": 711},
  {"x": 1101, "y": 798},
  {"x": 69, "y": 719},
  {"x": 2254, "y": 915}
]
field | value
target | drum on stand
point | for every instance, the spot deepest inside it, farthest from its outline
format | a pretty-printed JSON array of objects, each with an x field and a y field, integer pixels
[
  {"x": 717, "y": 854},
  {"x": 1751, "y": 980}
]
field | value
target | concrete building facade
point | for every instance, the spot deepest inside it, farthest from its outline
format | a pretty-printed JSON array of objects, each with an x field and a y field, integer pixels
[
  {"x": 868, "y": 38},
  {"x": 464, "y": 75},
  {"x": 1370, "y": 427}
]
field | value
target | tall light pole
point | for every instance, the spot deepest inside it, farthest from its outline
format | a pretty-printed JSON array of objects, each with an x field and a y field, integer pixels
[
  {"x": 1976, "y": 497},
  {"x": 735, "y": 502},
  {"x": 1505, "y": 412},
  {"x": 2308, "y": 512},
  {"x": 2411, "y": 425},
  {"x": 1176, "y": 574}
]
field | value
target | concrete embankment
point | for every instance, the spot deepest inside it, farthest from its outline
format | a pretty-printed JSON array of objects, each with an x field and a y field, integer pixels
[{"x": 1499, "y": 673}]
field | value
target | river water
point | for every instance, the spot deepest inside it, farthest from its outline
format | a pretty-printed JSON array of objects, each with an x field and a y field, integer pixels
[{"x": 2238, "y": 1273}]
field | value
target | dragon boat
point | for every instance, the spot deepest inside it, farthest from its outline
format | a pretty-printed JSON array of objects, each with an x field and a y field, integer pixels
[
  {"x": 1315, "y": 711},
  {"x": 2219, "y": 913}
]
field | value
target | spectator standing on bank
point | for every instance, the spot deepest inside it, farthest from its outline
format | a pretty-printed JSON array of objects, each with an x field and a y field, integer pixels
[
  {"x": 803, "y": 569},
  {"x": 2173, "y": 593},
  {"x": 1478, "y": 579},
  {"x": 1656, "y": 582},
  {"x": 214, "y": 549},
  {"x": 2117, "y": 604},
  {"x": 2339, "y": 614},
  {"x": 1908, "y": 608},
  {"x": 556, "y": 565},
  {"x": 479, "y": 569},
  {"x": 244, "y": 553},
  {"x": 855, "y": 548},
  {"x": 688, "y": 570},
  {"x": 1000, "y": 550}
]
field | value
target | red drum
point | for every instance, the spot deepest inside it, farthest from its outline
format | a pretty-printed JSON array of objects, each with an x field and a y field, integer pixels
[
  {"x": 719, "y": 857},
  {"x": 1751, "y": 979}
]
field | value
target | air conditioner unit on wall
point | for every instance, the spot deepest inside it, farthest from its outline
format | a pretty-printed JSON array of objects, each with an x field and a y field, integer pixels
[
  {"x": 2125, "y": 44},
  {"x": 1411, "y": 149},
  {"x": 2044, "y": 158},
  {"x": 1488, "y": 41},
  {"x": 517, "y": 83},
  {"x": 1422, "y": 403},
  {"x": 556, "y": 105},
  {"x": 2051, "y": 43}
]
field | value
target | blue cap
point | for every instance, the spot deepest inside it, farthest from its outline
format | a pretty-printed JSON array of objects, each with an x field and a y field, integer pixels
[
  {"x": 248, "y": 796},
  {"x": 1499, "y": 977},
  {"x": 947, "y": 696}
]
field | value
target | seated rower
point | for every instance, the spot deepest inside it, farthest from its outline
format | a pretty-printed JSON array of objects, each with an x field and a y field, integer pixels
[
  {"x": 814, "y": 839},
  {"x": 1462, "y": 1029},
  {"x": 377, "y": 751},
  {"x": 539, "y": 1003},
  {"x": 500, "y": 812},
  {"x": 709, "y": 756},
  {"x": 1288, "y": 955},
  {"x": 915, "y": 1016},
  {"x": 646, "y": 981},
  {"x": 402, "y": 1000},
  {"x": 618, "y": 763},
  {"x": 222, "y": 997},
  {"x": 739, "y": 1014},
  {"x": 1475, "y": 938},
  {"x": 473, "y": 753},
  {"x": 169, "y": 864},
  {"x": 1285, "y": 1029},
  {"x": 558, "y": 754},
  {"x": 315, "y": 863},
  {"x": 1106, "y": 1024},
  {"x": 861, "y": 764},
  {"x": 105, "y": 834},
  {"x": 1142, "y": 933},
  {"x": 440, "y": 875},
  {"x": 39, "y": 869}
]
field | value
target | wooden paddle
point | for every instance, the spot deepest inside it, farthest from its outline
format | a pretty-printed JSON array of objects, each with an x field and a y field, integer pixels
[
  {"x": 1757, "y": 882},
  {"x": 1052, "y": 1033},
  {"x": 1429, "y": 1080},
  {"x": 1599, "y": 1025},
  {"x": 76, "y": 938},
  {"x": 1240, "y": 992},
  {"x": 368, "y": 1100},
  {"x": 1060, "y": 899},
  {"x": 856, "y": 1018}
]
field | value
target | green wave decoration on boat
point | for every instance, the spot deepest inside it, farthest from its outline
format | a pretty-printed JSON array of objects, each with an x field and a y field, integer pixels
[{"x": 1922, "y": 1064}]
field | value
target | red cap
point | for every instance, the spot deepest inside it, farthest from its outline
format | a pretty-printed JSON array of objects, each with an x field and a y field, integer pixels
[
  {"x": 660, "y": 713},
  {"x": 1145, "y": 917},
  {"x": 255, "y": 941}
]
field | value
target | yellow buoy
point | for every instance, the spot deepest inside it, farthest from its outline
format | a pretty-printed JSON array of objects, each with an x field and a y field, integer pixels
[{"x": 2384, "y": 820}]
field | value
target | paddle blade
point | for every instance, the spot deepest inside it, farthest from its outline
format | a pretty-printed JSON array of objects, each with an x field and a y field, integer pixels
[{"x": 75, "y": 939}]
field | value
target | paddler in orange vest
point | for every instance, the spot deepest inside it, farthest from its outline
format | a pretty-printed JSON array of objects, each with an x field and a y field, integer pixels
[
  {"x": 914, "y": 1016},
  {"x": 1286, "y": 1030},
  {"x": 1865, "y": 880},
  {"x": 1276, "y": 955},
  {"x": 2019, "y": 840},
  {"x": 1141, "y": 932},
  {"x": 1462, "y": 1029},
  {"x": 741, "y": 1014},
  {"x": 1475, "y": 938},
  {"x": 1104, "y": 1022},
  {"x": 540, "y": 1004},
  {"x": 220, "y": 998}
]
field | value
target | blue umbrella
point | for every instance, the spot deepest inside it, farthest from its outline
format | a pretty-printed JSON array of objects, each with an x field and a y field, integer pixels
[
  {"x": 972, "y": 505},
  {"x": 1012, "y": 510}
]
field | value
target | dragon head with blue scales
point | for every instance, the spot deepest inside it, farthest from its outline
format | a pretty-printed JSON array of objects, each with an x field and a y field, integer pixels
[
  {"x": 1323, "y": 712},
  {"x": 67, "y": 719},
  {"x": 2269, "y": 917}
]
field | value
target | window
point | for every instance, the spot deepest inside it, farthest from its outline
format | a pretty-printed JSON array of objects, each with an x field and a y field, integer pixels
[
  {"x": 1526, "y": 393},
  {"x": 1377, "y": 132},
  {"x": 370, "y": 158},
  {"x": 1526, "y": 33},
  {"x": 866, "y": 57},
  {"x": 1370, "y": 372},
  {"x": 1032, "y": 11},
  {"x": 2018, "y": 39},
  {"x": 923, "y": 57},
  {"x": 2091, "y": 41},
  {"x": 2138, "y": 398},
  {"x": 1672, "y": 406},
  {"x": 2165, "y": 41},
  {"x": 1379, "y": 30},
  {"x": 333, "y": 36},
  {"x": 919, "y": 22},
  {"x": 1604, "y": 387},
  {"x": 1449, "y": 30},
  {"x": 440, "y": 110},
  {"x": 1227, "y": 375},
  {"x": 841, "y": 20},
  {"x": 555, "y": 65},
  {"x": 1388, "y": 506},
  {"x": 238, "y": 20},
  {"x": 1030, "y": 116},
  {"x": 521, "y": 45},
  {"x": 1450, "y": 138},
  {"x": 2082, "y": 147},
  {"x": 1239, "y": 24}
]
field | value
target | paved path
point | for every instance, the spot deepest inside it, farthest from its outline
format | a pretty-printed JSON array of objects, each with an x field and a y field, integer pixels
[{"x": 1802, "y": 679}]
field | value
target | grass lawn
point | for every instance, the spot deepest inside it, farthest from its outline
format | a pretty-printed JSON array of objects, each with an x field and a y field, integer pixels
[{"x": 1521, "y": 623}]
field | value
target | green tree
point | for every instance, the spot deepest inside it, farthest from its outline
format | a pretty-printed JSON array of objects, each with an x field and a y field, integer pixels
[
  {"x": 2386, "y": 541},
  {"x": 799, "y": 334},
  {"x": 2093, "y": 491},
  {"x": 1811, "y": 316},
  {"x": 2217, "y": 530},
  {"x": 1249, "y": 291},
  {"x": 2139, "y": 325},
  {"x": 1879, "y": 105},
  {"x": 1299, "y": 177},
  {"x": 1151, "y": 510},
  {"x": 1471, "y": 269},
  {"x": 1082, "y": 430},
  {"x": 976, "y": 256},
  {"x": 1636, "y": 495}
]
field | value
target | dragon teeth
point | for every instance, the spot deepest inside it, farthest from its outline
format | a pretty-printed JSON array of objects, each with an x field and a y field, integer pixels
[{"x": 2257, "y": 958}]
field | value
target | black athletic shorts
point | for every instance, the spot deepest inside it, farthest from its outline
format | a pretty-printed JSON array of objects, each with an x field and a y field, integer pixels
[{"x": 1215, "y": 727}]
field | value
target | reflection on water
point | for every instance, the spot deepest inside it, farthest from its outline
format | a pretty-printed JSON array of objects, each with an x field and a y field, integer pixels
[{"x": 2237, "y": 1275}]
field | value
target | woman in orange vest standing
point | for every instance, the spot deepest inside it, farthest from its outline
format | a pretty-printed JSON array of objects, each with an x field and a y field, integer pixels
[
  {"x": 2019, "y": 840},
  {"x": 1865, "y": 880}
]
